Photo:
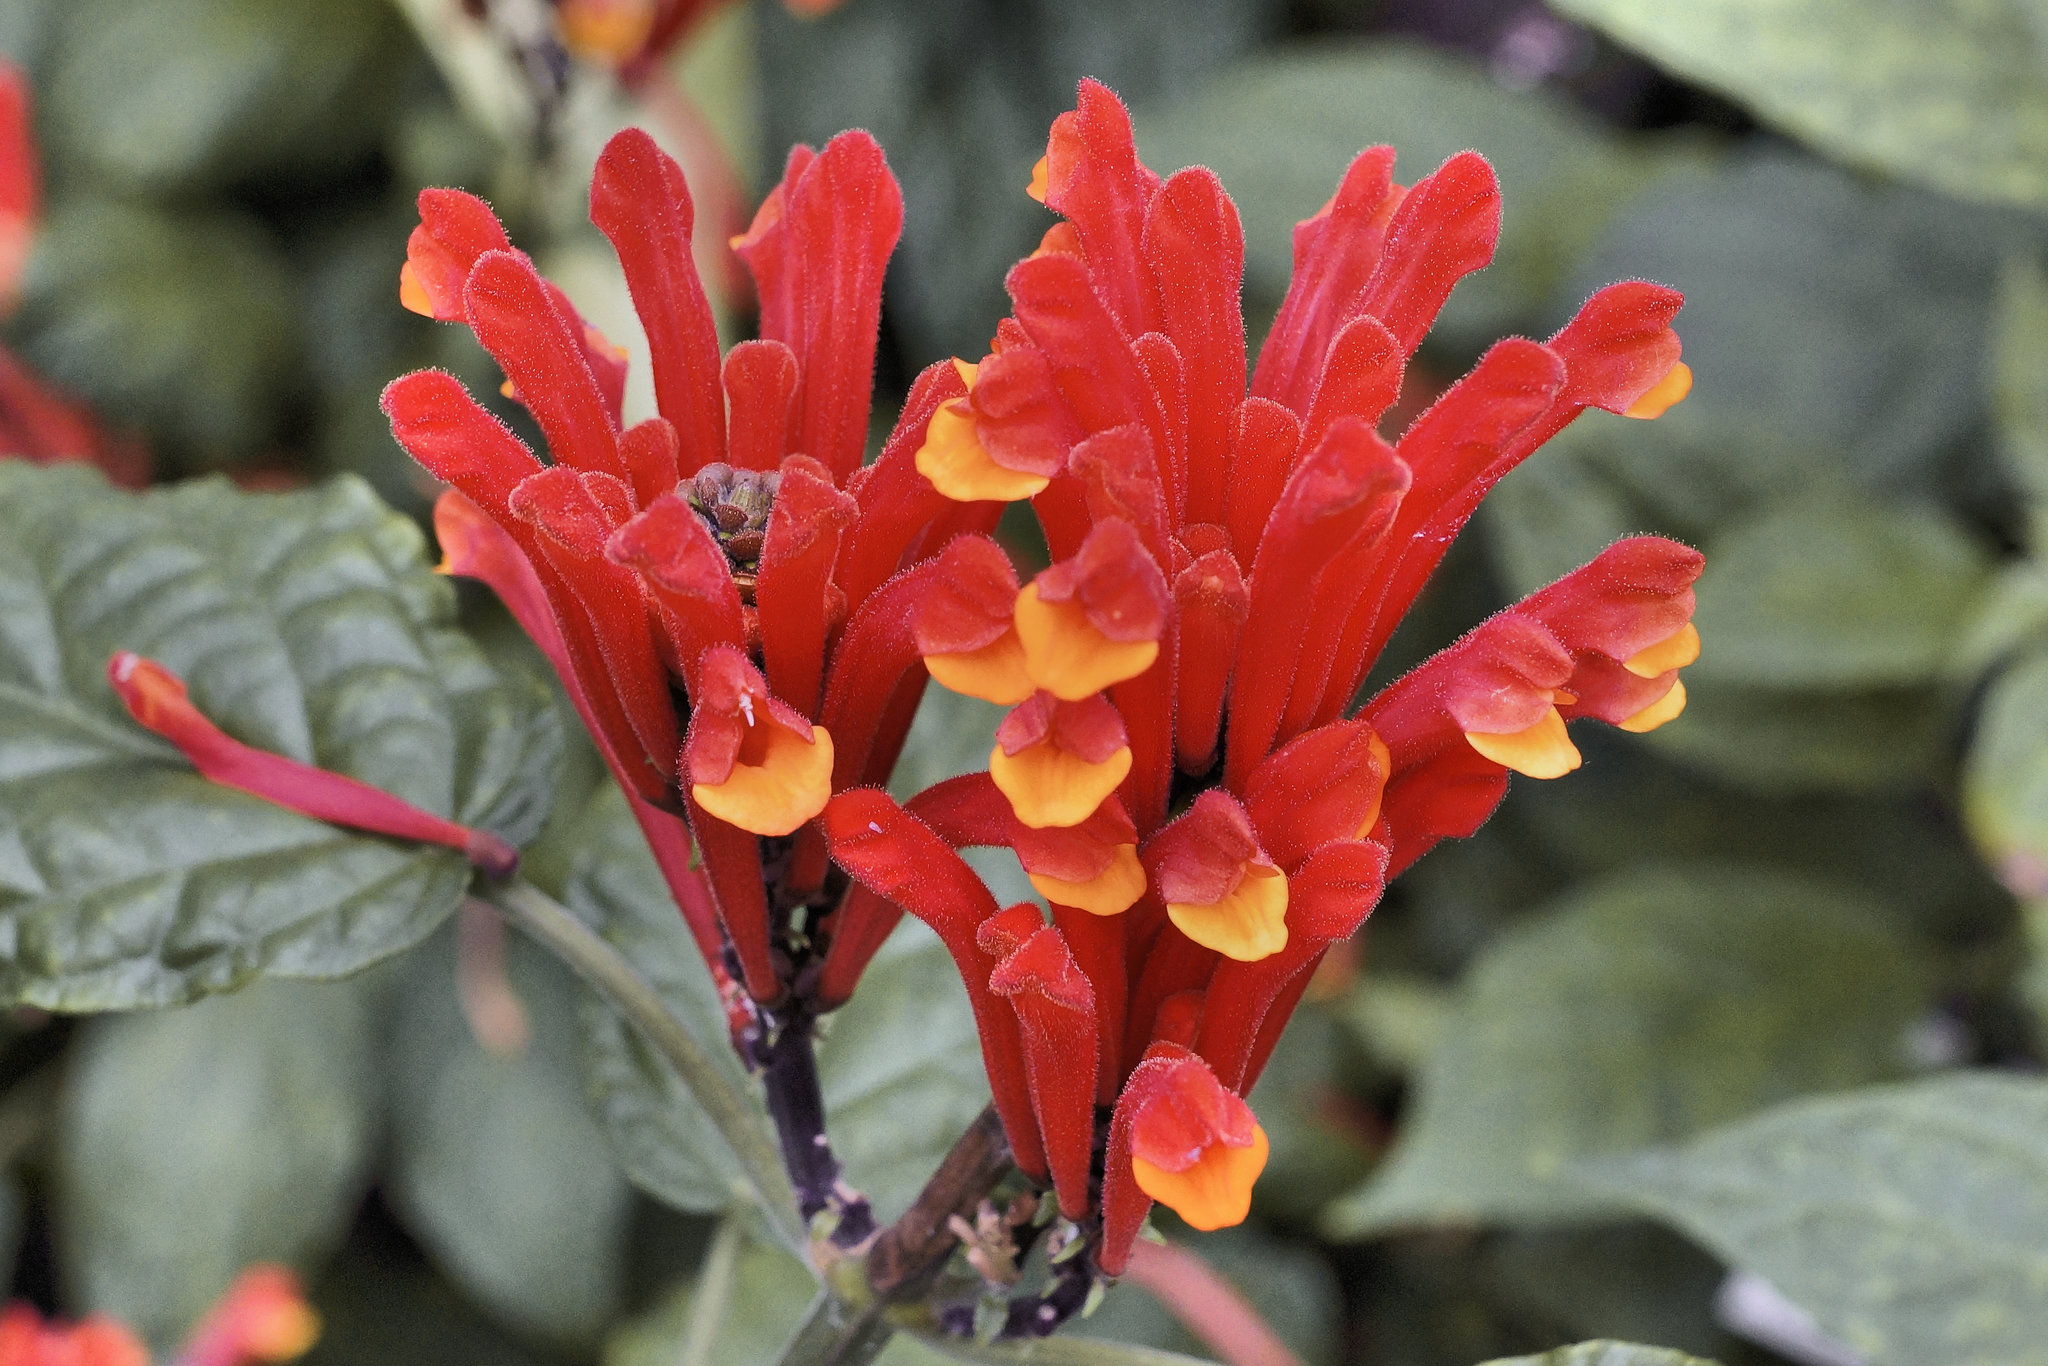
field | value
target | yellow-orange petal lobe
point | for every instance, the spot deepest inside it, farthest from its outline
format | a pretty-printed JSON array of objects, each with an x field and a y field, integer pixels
[
  {"x": 953, "y": 458},
  {"x": 1664, "y": 709},
  {"x": 1544, "y": 750},
  {"x": 1383, "y": 760},
  {"x": 1675, "y": 651},
  {"x": 1664, "y": 394},
  {"x": 994, "y": 673},
  {"x": 1067, "y": 656},
  {"x": 412, "y": 294},
  {"x": 1049, "y": 786},
  {"x": 1248, "y": 924},
  {"x": 608, "y": 31},
  {"x": 779, "y": 782},
  {"x": 1040, "y": 180},
  {"x": 1216, "y": 1191},
  {"x": 1112, "y": 891}
]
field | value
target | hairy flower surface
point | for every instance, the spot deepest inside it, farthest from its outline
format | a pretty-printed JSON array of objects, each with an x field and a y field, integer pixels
[
  {"x": 727, "y": 592},
  {"x": 1185, "y": 774}
]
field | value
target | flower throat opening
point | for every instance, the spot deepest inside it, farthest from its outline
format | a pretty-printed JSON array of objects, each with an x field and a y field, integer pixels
[{"x": 735, "y": 504}]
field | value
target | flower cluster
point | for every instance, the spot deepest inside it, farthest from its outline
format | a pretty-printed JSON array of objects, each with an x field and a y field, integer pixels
[
  {"x": 725, "y": 590},
  {"x": 1182, "y": 773},
  {"x": 263, "y": 1317}
]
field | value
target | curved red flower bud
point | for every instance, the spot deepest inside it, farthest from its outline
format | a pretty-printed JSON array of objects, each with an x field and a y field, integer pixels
[
  {"x": 799, "y": 605},
  {"x": 1094, "y": 180},
  {"x": 1325, "y": 784},
  {"x": 687, "y": 577},
  {"x": 638, "y": 199},
  {"x": 1262, "y": 452},
  {"x": 1096, "y": 619},
  {"x": 1445, "y": 228},
  {"x": 964, "y": 624},
  {"x": 156, "y": 698},
  {"x": 1329, "y": 898},
  {"x": 1058, "y": 761},
  {"x": 1346, "y": 494},
  {"x": 1211, "y": 600},
  {"x": 818, "y": 249},
  {"x": 455, "y": 229},
  {"x": 1335, "y": 253},
  {"x": 576, "y": 514},
  {"x": 1178, "y": 1137},
  {"x": 752, "y": 760},
  {"x": 897, "y": 856},
  {"x": 1055, "y": 1007},
  {"x": 1219, "y": 885},
  {"x": 760, "y": 392},
  {"x": 1194, "y": 252},
  {"x": 541, "y": 348}
]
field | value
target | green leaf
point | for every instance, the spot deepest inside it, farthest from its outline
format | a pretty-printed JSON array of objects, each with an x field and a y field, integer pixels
[
  {"x": 740, "y": 1310},
  {"x": 1910, "y": 1221},
  {"x": 193, "y": 1142},
  {"x": 2019, "y": 376},
  {"x": 1835, "y": 593},
  {"x": 305, "y": 623},
  {"x": 1953, "y": 94},
  {"x": 963, "y": 143},
  {"x": 1605, "y": 1354},
  {"x": 901, "y": 1064},
  {"x": 182, "y": 95},
  {"x": 1648, "y": 1006},
  {"x": 2005, "y": 777},
  {"x": 1785, "y": 744},
  {"x": 497, "y": 1166},
  {"x": 1561, "y": 178},
  {"x": 1290, "y": 1284},
  {"x": 667, "y": 1145},
  {"x": 1853, "y": 316},
  {"x": 180, "y": 323}
]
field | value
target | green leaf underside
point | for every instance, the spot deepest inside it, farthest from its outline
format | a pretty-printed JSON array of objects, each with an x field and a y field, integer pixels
[
  {"x": 304, "y": 623},
  {"x": 1910, "y": 1221},
  {"x": 1642, "y": 1010},
  {"x": 1948, "y": 92},
  {"x": 194, "y": 1142},
  {"x": 901, "y": 1065}
]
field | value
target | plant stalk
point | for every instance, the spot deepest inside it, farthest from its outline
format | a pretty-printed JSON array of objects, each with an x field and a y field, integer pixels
[{"x": 734, "y": 1113}]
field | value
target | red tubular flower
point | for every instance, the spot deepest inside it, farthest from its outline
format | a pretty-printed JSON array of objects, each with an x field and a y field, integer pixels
[
  {"x": 1233, "y": 545},
  {"x": 156, "y": 698},
  {"x": 262, "y": 1318},
  {"x": 26, "y": 1340},
  {"x": 731, "y": 553}
]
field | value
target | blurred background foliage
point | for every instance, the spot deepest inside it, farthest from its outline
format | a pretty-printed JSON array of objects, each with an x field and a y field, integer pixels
[{"x": 1832, "y": 874}]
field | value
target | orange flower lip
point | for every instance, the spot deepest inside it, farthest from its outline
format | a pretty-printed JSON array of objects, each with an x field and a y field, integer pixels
[
  {"x": 778, "y": 781},
  {"x": 1058, "y": 761},
  {"x": 1215, "y": 1190},
  {"x": 1543, "y": 750}
]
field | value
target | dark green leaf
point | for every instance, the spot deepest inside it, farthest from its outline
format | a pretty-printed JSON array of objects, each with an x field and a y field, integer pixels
[
  {"x": 1561, "y": 179},
  {"x": 1647, "y": 1007},
  {"x": 1785, "y": 744},
  {"x": 2019, "y": 358},
  {"x": 497, "y": 1165},
  {"x": 305, "y": 623},
  {"x": 2005, "y": 779},
  {"x": 1835, "y": 593},
  {"x": 1910, "y": 1221},
  {"x": 1953, "y": 94},
  {"x": 189, "y": 94},
  {"x": 178, "y": 322},
  {"x": 962, "y": 97},
  {"x": 196, "y": 1141},
  {"x": 1850, "y": 317},
  {"x": 1606, "y": 1354},
  {"x": 663, "y": 1140}
]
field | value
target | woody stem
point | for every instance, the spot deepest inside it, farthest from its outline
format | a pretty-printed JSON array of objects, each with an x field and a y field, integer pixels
[{"x": 796, "y": 1103}]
